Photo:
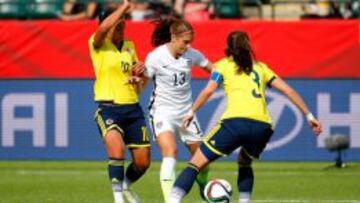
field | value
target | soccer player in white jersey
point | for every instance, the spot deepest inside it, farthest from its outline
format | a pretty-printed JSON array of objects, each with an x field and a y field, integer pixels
[{"x": 169, "y": 66}]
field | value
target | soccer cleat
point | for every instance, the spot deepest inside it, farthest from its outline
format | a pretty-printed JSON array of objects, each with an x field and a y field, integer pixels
[{"x": 130, "y": 196}]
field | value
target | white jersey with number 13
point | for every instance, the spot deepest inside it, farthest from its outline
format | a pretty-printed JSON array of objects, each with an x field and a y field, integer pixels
[{"x": 171, "y": 77}]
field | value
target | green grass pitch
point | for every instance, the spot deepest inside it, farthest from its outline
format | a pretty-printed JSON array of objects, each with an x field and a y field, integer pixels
[{"x": 80, "y": 181}]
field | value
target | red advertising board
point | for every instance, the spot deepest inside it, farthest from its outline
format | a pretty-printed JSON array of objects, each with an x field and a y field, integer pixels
[{"x": 314, "y": 49}]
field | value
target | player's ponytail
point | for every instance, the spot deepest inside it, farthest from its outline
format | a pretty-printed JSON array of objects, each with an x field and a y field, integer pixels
[
  {"x": 165, "y": 27},
  {"x": 238, "y": 47}
]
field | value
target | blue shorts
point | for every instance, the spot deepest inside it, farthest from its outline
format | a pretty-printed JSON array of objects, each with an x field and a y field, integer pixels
[
  {"x": 127, "y": 119},
  {"x": 233, "y": 133}
]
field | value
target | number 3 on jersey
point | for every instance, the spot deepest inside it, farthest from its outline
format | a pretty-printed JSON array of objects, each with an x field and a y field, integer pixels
[
  {"x": 256, "y": 79},
  {"x": 179, "y": 78}
]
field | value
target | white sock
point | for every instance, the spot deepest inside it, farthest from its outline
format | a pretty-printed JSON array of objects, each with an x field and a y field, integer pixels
[
  {"x": 118, "y": 197},
  {"x": 176, "y": 195},
  {"x": 245, "y": 197},
  {"x": 117, "y": 192},
  {"x": 167, "y": 176},
  {"x": 126, "y": 183}
]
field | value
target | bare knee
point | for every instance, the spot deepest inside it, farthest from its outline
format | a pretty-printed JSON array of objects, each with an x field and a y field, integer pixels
[
  {"x": 142, "y": 165},
  {"x": 199, "y": 160},
  {"x": 141, "y": 158},
  {"x": 114, "y": 144},
  {"x": 169, "y": 151},
  {"x": 167, "y": 144},
  {"x": 193, "y": 147}
]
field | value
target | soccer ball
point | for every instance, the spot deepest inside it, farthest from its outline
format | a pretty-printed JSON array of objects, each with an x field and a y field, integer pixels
[{"x": 218, "y": 190}]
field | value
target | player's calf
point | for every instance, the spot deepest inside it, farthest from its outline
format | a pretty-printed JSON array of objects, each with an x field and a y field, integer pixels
[{"x": 245, "y": 177}]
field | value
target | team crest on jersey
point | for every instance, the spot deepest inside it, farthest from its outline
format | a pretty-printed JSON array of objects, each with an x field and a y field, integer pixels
[
  {"x": 109, "y": 121},
  {"x": 159, "y": 124}
]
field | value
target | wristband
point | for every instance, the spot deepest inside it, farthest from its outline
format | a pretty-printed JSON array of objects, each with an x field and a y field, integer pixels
[{"x": 310, "y": 116}]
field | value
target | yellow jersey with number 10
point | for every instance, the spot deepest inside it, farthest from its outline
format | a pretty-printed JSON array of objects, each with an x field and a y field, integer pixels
[
  {"x": 112, "y": 70},
  {"x": 245, "y": 93}
]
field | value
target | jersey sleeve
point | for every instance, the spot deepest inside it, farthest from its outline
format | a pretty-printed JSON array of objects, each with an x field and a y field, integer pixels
[
  {"x": 218, "y": 74},
  {"x": 91, "y": 45},
  {"x": 91, "y": 41},
  {"x": 219, "y": 66},
  {"x": 268, "y": 74},
  {"x": 150, "y": 67},
  {"x": 216, "y": 77},
  {"x": 198, "y": 58}
]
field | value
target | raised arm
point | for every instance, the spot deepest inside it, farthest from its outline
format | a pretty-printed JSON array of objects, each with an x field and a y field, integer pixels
[
  {"x": 295, "y": 98},
  {"x": 109, "y": 22}
]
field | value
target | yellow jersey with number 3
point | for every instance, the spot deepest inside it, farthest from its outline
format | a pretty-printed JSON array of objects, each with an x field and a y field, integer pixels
[
  {"x": 245, "y": 93},
  {"x": 112, "y": 70}
]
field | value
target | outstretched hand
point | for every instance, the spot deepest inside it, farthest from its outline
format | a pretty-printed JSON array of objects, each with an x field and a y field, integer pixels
[
  {"x": 138, "y": 68},
  {"x": 133, "y": 80},
  {"x": 315, "y": 126},
  {"x": 187, "y": 119}
]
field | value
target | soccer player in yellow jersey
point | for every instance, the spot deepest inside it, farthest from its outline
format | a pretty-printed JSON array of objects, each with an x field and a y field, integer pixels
[
  {"x": 246, "y": 121},
  {"x": 119, "y": 116}
]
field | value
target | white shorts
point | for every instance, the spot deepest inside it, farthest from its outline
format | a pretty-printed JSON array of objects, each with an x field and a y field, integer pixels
[{"x": 161, "y": 123}]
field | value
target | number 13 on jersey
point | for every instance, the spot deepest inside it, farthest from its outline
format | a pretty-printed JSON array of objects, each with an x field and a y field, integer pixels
[{"x": 179, "y": 78}]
